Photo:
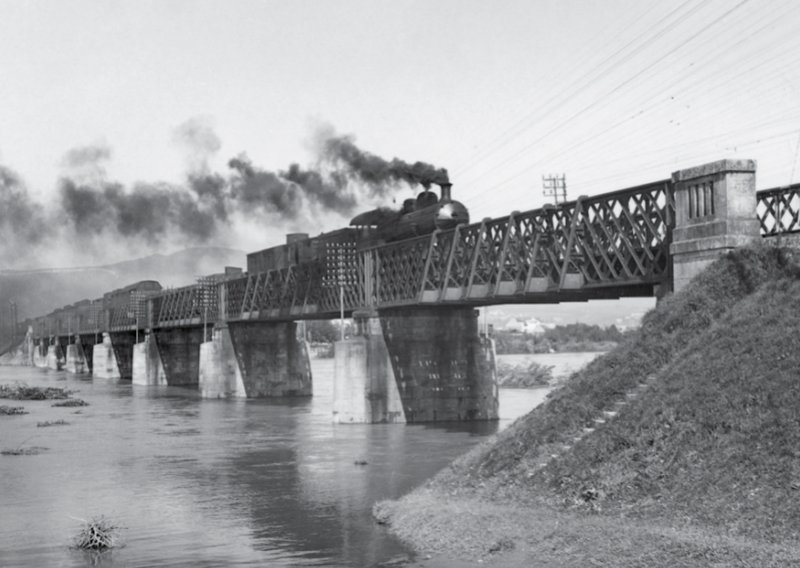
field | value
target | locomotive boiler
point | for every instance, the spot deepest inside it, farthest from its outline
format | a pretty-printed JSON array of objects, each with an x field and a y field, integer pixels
[{"x": 418, "y": 216}]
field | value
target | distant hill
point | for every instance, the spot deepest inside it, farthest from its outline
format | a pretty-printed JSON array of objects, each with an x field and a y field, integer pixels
[{"x": 40, "y": 291}]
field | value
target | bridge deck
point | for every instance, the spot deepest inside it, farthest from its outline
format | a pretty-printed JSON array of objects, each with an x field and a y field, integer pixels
[{"x": 607, "y": 246}]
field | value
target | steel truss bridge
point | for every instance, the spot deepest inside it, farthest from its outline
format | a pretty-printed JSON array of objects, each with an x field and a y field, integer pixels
[{"x": 606, "y": 246}]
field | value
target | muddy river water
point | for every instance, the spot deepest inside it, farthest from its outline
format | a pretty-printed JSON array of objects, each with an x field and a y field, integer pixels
[{"x": 212, "y": 482}]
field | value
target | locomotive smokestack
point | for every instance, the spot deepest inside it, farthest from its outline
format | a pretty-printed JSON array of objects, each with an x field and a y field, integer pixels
[{"x": 445, "y": 191}]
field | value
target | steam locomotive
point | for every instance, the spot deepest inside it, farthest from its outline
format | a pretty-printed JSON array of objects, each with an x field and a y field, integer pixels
[{"x": 418, "y": 216}]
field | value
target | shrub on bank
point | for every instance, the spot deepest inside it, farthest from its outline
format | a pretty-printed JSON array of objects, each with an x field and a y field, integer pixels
[{"x": 518, "y": 376}]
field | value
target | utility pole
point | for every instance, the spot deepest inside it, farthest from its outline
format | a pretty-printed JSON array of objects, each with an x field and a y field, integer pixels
[
  {"x": 205, "y": 287},
  {"x": 555, "y": 187},
  {"x": 340, "y": 259}
]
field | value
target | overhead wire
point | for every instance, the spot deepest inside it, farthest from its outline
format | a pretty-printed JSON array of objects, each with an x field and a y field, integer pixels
[
  {"x": 716, "y": 20},
  {"x": 588, "y": 48},
  {"x": 616, "y": 89},
  {"x": 708, "y": 78},
  {"x": 562, "y": 97}
]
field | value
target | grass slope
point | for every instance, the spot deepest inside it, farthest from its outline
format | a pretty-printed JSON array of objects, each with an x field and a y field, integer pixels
[{"x": 710, "y": 445}]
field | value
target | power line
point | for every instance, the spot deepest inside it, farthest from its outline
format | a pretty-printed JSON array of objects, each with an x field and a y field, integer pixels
[
  {"x": 569, "y": 91},
  {"x": 592, "y": 104},
  {"x": 630, "y": 79}
]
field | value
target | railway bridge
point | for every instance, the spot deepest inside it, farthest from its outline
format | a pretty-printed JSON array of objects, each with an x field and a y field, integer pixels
[{"x": 417, "y": 354}]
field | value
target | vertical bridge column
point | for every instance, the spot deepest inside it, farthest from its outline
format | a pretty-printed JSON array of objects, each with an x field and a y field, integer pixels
[
  {"x": 715, "y": 212},
  {"x": 148, "y": 369},
  {"x": 76, "y": 358},
  {"x": 423, "y": 364},
  {"x": 40, "y": 353},
  {"x": 255, "y": 359},
  {"x": 220, "y": 376},
  {"x": 104, "y": 359},
  {"x": 55, "y": 354},
  {"x": 179, "y": 349}
]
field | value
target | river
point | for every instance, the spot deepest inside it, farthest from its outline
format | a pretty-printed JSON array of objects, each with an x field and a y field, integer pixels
[{"x": 213, "y": 482}]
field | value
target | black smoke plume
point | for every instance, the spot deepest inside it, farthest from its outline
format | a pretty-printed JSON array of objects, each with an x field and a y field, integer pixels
[
  {"x": 22, "y": 222},
  {"x": 149, "y": 212},
  {"x": 253, "y": 189},
  {"x": 93, "y": 209},
  {"x": 341, "y": 151}
]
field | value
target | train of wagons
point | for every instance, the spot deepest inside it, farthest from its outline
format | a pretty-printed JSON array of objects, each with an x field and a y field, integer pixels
[{"x": 418, "y": 216}]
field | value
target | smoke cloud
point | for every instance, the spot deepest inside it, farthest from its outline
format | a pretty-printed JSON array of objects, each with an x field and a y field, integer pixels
[
  {"x": 86, "y": 156},
  {"x": 197, "y": 136},
  {"x": 379, "y": 174},
  {"x": 149, "y": 212},
  {"x": 22, "y": 224},
  {"x": 92, "y": 210}
]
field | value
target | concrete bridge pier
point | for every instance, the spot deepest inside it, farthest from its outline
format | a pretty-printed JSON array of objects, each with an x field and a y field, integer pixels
[
  {"x": 148, "y": 369},
  {"x": 179, "y": 350},
  {"x": 55, "y": 355},
  {"x": 87, "y": 342},
  {"x": 122, "y": 342},
  {"x": 40, "y": 353},
  {"x": 76, "y": 358},
  {"x": 104, "y": 359},
  {"x": 28, "y": 348},
  {"x": 271, "y": 360},
  {"x": 424, "y": 364},
  {"x": 220, "y": 375}
]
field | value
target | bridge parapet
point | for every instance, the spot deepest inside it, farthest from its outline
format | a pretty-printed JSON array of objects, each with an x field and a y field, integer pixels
[
  {"x": 778, "y": 211},
  {"x": 196, "y": 304},
  {"x": 618, "y": 240},
  {"x": 715, "y": 211}
]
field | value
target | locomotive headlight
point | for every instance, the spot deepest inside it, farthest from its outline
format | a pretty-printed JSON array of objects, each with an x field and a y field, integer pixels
[{"x": 446, "y": 212}]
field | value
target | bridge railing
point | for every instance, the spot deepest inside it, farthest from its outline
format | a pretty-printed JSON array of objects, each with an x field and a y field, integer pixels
[
  {"x": 619, "y": 238},
  {"x": 190, "y": 305},
  {"x": 607, "y": 241},
  {"x": 778, "y": 210}
]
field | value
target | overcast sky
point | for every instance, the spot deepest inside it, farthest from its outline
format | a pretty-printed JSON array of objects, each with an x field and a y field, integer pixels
[{"x": 611, "y": 93}]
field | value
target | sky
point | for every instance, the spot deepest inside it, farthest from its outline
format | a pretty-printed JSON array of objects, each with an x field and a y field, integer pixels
[{"x": 107, "y": 104}]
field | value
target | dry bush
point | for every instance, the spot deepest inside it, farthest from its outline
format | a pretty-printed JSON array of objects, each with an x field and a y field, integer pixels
[
  {"x": 51, "y": 423},
  {"x": 20, "y": 391},
  {"x": 97, "y": 534},
  {"x": 71, "y": 402}
]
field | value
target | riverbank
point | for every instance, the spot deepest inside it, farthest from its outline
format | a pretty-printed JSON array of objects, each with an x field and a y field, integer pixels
[
  {"x": 471, "y": 531},
  {"x": 676, "y": 448}
]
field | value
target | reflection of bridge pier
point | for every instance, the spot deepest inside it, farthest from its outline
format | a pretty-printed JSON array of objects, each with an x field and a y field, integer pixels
[{"x": 424, "y": 364}]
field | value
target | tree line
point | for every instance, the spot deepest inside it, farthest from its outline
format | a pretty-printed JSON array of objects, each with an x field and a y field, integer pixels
[{"x": 562, "y": 338}]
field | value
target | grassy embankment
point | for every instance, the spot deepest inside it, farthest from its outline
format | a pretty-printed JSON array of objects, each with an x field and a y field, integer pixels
[{"x": 696, "y": 464}]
